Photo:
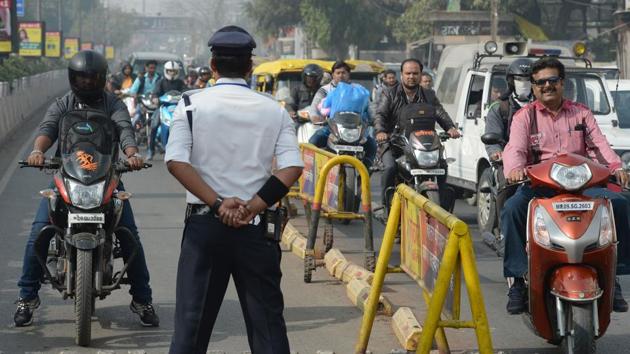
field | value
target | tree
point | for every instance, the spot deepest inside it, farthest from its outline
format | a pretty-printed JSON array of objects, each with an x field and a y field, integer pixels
[
  {"x": 269, "y": 16},
  {"x": 336, "y": 24}
]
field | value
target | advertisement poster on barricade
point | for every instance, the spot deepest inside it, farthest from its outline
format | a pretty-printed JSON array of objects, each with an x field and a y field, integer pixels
[
  {"x": 109, "y": 52},
  {"x": 423, "y": 241},
  {"x": 70, "y": 47},
  {"x": 307, "y": 181},
  {"x": 31, "y": 36},
  {"x": 53, "y": 44},
  {"x": 5, "y": 27},
  {"x": 86, "y": 45},
  {"x": 331, "y": 194}
]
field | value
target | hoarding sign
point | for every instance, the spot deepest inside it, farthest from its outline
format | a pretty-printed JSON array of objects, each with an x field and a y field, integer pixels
[
  {"x": 31, "y": 36},
  {"x": 53, "y": 44}
]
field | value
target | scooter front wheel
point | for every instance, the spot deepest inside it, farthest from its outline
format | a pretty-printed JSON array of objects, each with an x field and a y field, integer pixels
[{"x": 580, "y": 337}]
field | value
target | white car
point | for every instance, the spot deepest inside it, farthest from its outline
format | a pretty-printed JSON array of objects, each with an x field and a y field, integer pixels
[{"x": 620, "y": 91}]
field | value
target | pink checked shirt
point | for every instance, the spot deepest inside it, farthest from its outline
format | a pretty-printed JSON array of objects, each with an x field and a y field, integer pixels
[{"x": 557, "y": 135}]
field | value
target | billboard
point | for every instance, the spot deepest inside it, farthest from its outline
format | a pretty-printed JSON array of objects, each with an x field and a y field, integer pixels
[
  {"x": 109, "y": 52},
  {"x": 86, "y": 45},
  {"x": 5, "y": 27},
  {"x": 31, "y": 37},
  {"x": 70, "y": 47},
  {"x": 53, "y": 44}
]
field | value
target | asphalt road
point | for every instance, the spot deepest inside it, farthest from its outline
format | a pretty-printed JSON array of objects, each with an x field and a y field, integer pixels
[{"x": 319, "y": 315}]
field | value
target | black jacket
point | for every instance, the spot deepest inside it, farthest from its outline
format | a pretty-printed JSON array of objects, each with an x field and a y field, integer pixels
[
  {"x": 388, "y": 108},
  {"x": 301, "y": 97},
  {"x": 164, "y": 85}
]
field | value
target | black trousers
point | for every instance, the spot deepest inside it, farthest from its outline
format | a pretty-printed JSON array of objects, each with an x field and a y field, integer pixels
[{"x": 210, "y": 253}]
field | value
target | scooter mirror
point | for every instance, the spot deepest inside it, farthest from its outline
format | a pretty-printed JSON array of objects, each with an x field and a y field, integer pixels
[{"x": 492, "y": 139}]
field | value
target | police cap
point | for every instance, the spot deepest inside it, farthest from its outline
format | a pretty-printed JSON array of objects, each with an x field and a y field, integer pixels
[{"x": 231, "y": 40}]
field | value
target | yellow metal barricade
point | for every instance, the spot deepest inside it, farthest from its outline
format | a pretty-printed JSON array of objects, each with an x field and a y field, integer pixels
[
  {"x": 436, "y": 247},
  {"x": 322, "y": 190}
]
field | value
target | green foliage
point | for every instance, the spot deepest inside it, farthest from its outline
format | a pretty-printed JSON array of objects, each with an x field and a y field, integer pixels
[
  {"x": 414, "y": 23},
  {"x": 16, "y": 67},
  {"x": 269, "y": 16}
]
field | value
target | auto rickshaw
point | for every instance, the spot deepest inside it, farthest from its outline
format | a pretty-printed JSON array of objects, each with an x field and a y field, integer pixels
[{"x": 279, "y": 76}]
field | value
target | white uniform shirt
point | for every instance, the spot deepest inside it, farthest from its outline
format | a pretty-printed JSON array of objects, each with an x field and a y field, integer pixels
[{"x": 236, "y": 132}]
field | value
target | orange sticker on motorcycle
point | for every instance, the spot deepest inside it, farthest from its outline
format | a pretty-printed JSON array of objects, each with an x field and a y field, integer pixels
[{"x": 86, "y": 161}]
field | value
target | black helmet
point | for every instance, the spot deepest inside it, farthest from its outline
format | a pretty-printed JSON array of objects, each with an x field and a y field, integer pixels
[
  {"x": 312, "y": 70},
  {"x": 519, "y": 67},
  {"x": 90, "y": 65},
  {"x": 204, "y": 70}
]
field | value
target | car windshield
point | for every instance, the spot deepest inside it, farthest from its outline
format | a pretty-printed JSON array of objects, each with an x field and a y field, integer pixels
[
  {"x": 585, "y": 88},
  {"x": 622, "y": 103}
]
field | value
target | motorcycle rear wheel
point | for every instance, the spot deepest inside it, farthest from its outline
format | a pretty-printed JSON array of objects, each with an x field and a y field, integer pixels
[
  {"x": 83, "y": 298},
  {"x": 580, "y": 338}
]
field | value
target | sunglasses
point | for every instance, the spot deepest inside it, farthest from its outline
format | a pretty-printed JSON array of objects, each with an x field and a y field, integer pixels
[{"x": 553, "y": 80}]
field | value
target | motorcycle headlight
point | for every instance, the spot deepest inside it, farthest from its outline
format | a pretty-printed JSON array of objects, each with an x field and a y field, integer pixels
[
  {"x": 86, "y": 197},
  {"x": 349, "y": 134},
  {"x": 427, "y": 158},
  {"x": 541, "y": 233},
  {"x": 605, "y": 228},
  {"x": 571, "y": 177}
]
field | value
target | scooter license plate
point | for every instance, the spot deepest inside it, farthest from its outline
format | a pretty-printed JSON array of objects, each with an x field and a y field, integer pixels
[
  {"x": 421, "y": 172},
  {"x": 348, "y": 148},
  {"x": 573, "y": 206},
  {"x": 96, "y": 218}
]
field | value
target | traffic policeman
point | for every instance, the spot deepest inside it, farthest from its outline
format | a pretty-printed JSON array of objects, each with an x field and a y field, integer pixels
[{"x": 221, "y": 148}]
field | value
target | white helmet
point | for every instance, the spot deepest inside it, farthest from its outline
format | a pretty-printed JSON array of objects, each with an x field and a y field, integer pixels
[{"x": 171, "y": 70}]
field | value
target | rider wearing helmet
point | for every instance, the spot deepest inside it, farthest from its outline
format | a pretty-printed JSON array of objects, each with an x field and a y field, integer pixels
[
  {"x": 170, "y": 82},
  {"x": 87, "y": 73},
  {"x": 499, "y": 119},
  {"x": 302, "y": 95},
  {"x": 205, "y": 74}
]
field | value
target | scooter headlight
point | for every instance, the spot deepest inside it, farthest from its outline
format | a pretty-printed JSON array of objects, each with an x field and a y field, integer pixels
[
  {"x": 427, "y": 158},
  {"x": 541, "y": 233},
  {"x": 86, "y": 197},
  {"x": 571, "y": 177},
  {"x": 606, "y": 228},
  {"x": 349, "y": 135}
]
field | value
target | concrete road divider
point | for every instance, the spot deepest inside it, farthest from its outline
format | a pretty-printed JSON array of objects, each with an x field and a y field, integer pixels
[
  {"x": 407, "y": 328},
  {"x": 358, "y": 290},
  {"x": 289, "y": 235},
  {"x": 353, "y": 271},
  {"x": 332, "y": 259}
]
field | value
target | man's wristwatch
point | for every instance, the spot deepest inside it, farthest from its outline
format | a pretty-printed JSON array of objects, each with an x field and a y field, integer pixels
[{"x": 217, "y": 204}]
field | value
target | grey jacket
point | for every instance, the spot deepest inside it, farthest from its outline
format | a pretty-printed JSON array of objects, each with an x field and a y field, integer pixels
[
  {"x": 497, "y": 123},
  {"x": 391, "y": 102},
  {"x": 111, "y": 105}
]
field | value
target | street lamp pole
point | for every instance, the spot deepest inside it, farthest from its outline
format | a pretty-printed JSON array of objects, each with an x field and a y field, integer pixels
[{"x": 494, "y": 19}]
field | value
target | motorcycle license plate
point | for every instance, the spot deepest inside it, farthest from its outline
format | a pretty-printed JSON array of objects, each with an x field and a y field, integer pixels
[
  {"x": 573, "y": 206},
  {"x": 348, "y": 148},
  {"x": 97, "y": 218},
  {"x": 421, "y": 172}
]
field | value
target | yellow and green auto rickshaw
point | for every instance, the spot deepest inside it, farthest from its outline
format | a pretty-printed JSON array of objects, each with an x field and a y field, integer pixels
[{"x": 279, "y": 76}]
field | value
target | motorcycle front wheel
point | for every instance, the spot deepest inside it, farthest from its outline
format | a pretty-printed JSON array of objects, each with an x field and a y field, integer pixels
[{"x": 83, "y": 298}]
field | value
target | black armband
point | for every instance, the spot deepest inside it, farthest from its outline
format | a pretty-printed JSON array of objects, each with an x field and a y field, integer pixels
[{"x": 272, "y": 191}]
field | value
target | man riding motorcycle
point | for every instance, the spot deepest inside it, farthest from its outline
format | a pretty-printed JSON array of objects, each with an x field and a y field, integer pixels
[
  {"x": 170, "y": 82},
  {"x": 205, "y": 74},
  {"x": 302, "y": 95},
  {"x": 87, "y": 72},
  {"x": 388, "y": 111},
  {"x": 499, "y": 119},
  {"x": 340, "y": 73},
  {"x": 549, "y": 126},
  {"x": 144, "y": 85}
]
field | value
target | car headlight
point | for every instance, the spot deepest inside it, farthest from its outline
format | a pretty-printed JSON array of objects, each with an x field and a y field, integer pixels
[
  {"x": 86, "y": 197},
  {"x": 625, "y": 160},
  {"x": 349, "y": 134},
  {"x": 427, "y": 158},
  {"x": 541, "y": 233},
  {"x": 605, "y": 228},
  {"x": 571, "y": 177}
]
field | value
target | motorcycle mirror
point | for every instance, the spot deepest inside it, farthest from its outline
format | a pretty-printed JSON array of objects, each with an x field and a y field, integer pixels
[{"x": 492, "y": 139}]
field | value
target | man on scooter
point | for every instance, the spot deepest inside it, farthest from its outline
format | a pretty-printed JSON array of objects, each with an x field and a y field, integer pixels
[
  {"x": 499, "y": 119},
  {"x": 341, "y": 73},
  {"x": 169, "y": 82},
  {"x": 87, "y": 72},
  {"x": 548, "y": 126}
]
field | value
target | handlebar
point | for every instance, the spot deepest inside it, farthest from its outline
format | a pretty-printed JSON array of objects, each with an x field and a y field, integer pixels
[
  {"x": 122, "y": 166},
  {"x": 55, "y": 163}
]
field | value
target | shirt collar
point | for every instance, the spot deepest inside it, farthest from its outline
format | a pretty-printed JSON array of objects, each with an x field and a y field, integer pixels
[
  {"x": 228, "y": 80},
  {"x": 566, "y": 104}
]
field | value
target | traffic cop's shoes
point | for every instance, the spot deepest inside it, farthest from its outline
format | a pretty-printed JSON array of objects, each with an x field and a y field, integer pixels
[
  {"x": 517, "y": 297},
  {"x": 619, "y": 304},
  {"x": 24, "y": 313},
  {"x": 147, "y": 314}
]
